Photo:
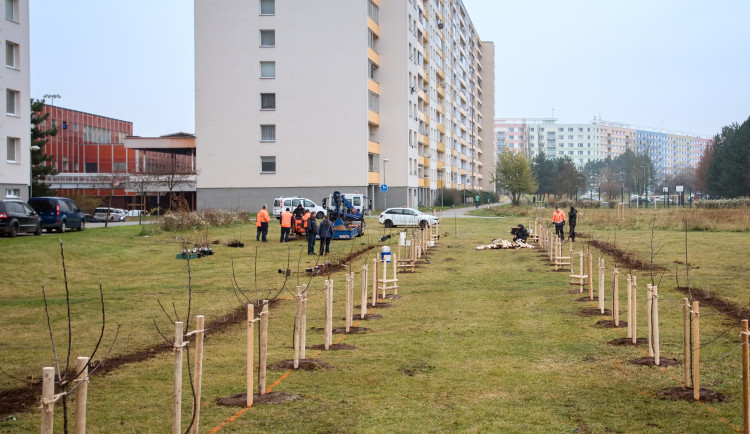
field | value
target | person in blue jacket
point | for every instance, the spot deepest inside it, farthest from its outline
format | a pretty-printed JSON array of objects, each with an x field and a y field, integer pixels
[{"x": 325, "y": 232}]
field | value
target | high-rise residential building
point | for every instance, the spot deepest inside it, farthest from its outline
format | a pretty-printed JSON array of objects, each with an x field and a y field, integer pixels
[
  {"x": 670, "y": 151},
  {"x": 15, "y": 128},
  {"x": 304, "y": 98}
]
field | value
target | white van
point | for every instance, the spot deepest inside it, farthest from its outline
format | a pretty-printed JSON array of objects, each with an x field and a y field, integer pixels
[
  {"x": 291, "y": 202},
  {"x": 358, "y": 202}
]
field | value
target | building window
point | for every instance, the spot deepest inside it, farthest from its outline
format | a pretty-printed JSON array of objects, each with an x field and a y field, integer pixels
[
  {"x": 371, "y": 68},
  {"x": 13, "y": 192},
  {"x": 267, "y": 38},
  {"x": 268, "y": 101},
  {"x": 11, "y": 99},
  {"x": 12, "y": 152},
  {"x": 267, "y": 164},
  {"x": 570, "y": 130},
  {"x": 267, "y": 7},
  {"x": 268, "y": 133},
  {"x": 268, "y": 69},
  {"x": 373, "y": 102},
  {"x": 371, "y": 39},
  {"x": 11, "y": 10},
  {"x": 11, "y": 55},
  {"x": 372, "y": 11}
]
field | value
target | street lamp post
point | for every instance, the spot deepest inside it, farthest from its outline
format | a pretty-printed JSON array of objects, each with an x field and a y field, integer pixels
[
  {"x": 52, "y": 97},
  {"x": 31, "y": 171},
  {"x": 385, "y": 193}
]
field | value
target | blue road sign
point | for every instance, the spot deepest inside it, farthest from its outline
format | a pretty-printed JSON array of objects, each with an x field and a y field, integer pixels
[{"x": 383, "y": 188}]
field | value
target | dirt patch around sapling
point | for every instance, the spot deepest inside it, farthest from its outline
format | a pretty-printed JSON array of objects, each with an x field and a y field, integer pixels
[
  {"x": 625, "y": 259},
  {"x": 333, "y": 347},
  {"x": 392, "y": 297},
  {"x": 368, "y": 317},
  {"x": 686, "y": 394},
  {"x": 416, "y": 369},
  {"x": 628, "y": 342},
  {"x": 649, "y": 361},
  {"x": 609, "y": 324},
  {"x": 352, "y": 330},
  {"x": 593, "y": 311},
  {"x": 304, "y": 365},
  {"x": 584, "y": 299},
  {"x": 240, "y": 399}
]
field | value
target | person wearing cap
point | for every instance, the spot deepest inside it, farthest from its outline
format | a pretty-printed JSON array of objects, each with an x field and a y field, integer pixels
[
  {"x": 558, "y": 218},
  {"x": 522, "y": 234},
  {"x": 311, "y": 231},
  {"x": 261, "y": 222}
]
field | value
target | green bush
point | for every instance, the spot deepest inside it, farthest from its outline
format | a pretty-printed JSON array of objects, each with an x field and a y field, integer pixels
[{"x": 741, "y": 202}]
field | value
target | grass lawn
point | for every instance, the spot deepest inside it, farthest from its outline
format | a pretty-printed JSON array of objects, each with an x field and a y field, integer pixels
[{"x": 480, "y": 341}]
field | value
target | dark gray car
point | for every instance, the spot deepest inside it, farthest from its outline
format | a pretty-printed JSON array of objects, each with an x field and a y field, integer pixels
[{"x": 17, "y": 216}]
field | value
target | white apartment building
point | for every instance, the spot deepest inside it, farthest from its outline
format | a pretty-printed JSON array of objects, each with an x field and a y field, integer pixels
[
  {"x": 304, "y": 98},
  {"x": 15, "y": 127}
]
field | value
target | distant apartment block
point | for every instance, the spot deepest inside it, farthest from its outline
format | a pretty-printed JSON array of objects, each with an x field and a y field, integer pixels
[
  {"x": 597, "y": 140},
  {"x": 15, "y": 127},
  {"x": 303, "y": 98}
]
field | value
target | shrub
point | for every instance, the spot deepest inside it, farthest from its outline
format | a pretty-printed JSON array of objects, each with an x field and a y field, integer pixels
[
  {"x": 179, "y": 220},
  {"x": 741, "y": 202}
]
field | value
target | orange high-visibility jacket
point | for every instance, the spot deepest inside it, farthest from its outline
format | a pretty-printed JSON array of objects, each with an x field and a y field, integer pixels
[
  {"x": 558, "y": 216},
  {"x": 262, "y": 217},
  {"x": 286, "y": 219},
  {"x": 304, "y": 219}
]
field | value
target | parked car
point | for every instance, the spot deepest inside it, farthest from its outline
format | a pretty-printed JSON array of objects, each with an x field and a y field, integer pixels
[
  {"x": 88, "y": 218},
  {"x": 114, "y": 214},
  {"x": 291, "y": 202},
  {"x": 59, "y": 213},
  {"x": 136, "y": 213},
  {"x": 406, "y": 217},
  {"x": 17, "y": 216}
]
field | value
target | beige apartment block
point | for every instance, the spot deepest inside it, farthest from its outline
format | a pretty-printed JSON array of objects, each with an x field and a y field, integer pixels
[
  {"x": 15, "y": 126},
  {"x": 304, "y": 98}
]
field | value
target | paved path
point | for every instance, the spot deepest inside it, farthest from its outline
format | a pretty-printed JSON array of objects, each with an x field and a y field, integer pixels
[{"x": 464, "y": 212}]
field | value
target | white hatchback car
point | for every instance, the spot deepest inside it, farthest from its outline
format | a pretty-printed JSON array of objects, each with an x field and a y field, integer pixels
[
  {"x": 115, "y": 214},
  {"x": 407, "y": 217}
]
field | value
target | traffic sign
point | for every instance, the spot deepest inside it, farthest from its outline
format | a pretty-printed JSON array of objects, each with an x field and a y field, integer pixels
[{"x": 383, "y": 188}]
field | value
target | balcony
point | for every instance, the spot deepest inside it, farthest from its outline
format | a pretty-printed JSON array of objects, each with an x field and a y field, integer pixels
[
  {"x": 424, "y": 182},
  {"x": 373, "y": 147},
  {"x": 441, "y": 128},
  {"x": 373, "y": 178},
  {"x": 373, "y": 118},
  {"x": 440, "y": 146}
]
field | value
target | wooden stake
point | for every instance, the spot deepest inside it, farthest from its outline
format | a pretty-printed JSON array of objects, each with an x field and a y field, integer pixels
[
  {"x": 395, "y": 275},
  {"x": 601, "y": 285},
  {"x": 589, "y": 280},
  {"x": 48, "y": 399},
  {"x": 250, "y": 351},
  {"x": 263, "y": 349},
  {"x": 635, "y": 308},
  {"x": 349, "y": 297},
  {"x": 655, "y": 310},
  {"x": 615, "y": 297},
  {"x": 696, "y": 351},
  {"x": 177, "y": 392},
  {"x": 327, "y": 295},
  {"x": 81, "y": 393},
  {"x": 303, "y": 325},
  {"x": 375, "y": 281},
  {"x": 649, "y": 302},
  {"x": 630, "y": 305},
  {"x": 198, "y": 376},
  {"x": 583, "y": 271},
  {"x": 363, "y": 305},
  {"x": 686, "y": 340},
  {"x": 297, "y": 325},
  {"x": 385, "y": 277},
  {"x": 745, "y": 379}
]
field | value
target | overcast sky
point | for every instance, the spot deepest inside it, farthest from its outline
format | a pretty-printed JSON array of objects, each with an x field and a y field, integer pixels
[{"x": 676, "y": 64}]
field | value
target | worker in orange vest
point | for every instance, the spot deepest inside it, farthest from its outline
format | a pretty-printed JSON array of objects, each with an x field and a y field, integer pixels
[
  {"x": 286, "y": 225},
  {"x": 305, "y": 217},
  {"x": 261, "y": 222},
  {"x": 558, "y": 218}
]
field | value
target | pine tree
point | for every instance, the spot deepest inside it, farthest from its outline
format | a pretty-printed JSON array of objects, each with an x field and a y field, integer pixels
[{"x": 39, "y": 160}]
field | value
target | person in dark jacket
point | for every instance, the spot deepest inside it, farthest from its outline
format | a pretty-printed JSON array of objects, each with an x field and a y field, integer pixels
[
  {"x": 325, "y": 232},
  {"x": 311, "y": 231},
  {"x": 572, "y": 216},
  {"x": 522, "y": 234}
]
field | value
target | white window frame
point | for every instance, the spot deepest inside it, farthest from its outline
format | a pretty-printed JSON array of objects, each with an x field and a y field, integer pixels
[
  {"x": 268, "y": 32},
  {"x": 268, "y": 64},
  {"x": 13, "y": 193},
  {"x": 12, "y": 143},
  {"x": 271, "y": 127},
  {"x": 12, "y": 7},
  {"x": 267, "y": 159},
  {"x": 267, "y": 2},
  {"x": 11, "y": 55},
  {"x": 12, "y": 98}
]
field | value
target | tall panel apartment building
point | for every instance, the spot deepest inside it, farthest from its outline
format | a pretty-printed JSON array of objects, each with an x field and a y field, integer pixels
[
  {"x": 670, "y": 151},
  {"x": 304, "y": 98},
  {"x": 15, "y": 126}
]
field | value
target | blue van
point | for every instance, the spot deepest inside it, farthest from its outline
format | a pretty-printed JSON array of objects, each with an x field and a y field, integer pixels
[{"x": 59, "y": 213}]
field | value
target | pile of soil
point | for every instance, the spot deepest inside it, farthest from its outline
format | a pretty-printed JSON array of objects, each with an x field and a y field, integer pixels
[
  {"x": 304, "y": 365},
  {"x": 352, "y": 330},
  {"x": 333, "y": 347},
  {"x": 649, "y": 361},
  {"x": 609, "y": 324},
  {"x": 686, "y": 394},
  {"x": 627, "y": 260},
  {"x": 594, "y": 311},
  {"x": 628, "y": 341}
]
